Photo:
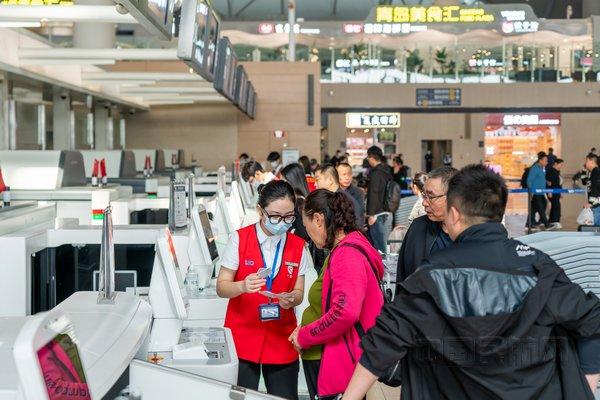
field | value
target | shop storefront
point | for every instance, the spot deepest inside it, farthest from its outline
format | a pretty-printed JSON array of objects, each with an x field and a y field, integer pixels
[
  {"x": 512, "y": 141},
  {"x": 364, "y": 130}
]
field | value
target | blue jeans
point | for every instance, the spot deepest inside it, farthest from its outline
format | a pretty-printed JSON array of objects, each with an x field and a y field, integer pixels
[
  {"x": 596, "y": 211},
  {"x": 380, "y": 231}
]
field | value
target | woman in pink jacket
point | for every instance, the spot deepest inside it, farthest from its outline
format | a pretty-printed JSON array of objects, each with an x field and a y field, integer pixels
[{"x": 350, "y": 299}]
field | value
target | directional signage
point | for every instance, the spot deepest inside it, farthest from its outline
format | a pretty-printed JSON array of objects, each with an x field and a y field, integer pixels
[{"x": 439, "y": 97}]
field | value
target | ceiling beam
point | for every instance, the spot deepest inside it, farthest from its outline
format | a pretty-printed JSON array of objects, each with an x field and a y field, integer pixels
[
  {"x": 101, "y": 54},
  {"x": 133, "y": 77},
  {"x": 173, "y": 89},
  {"x": 74, "y": 13}
]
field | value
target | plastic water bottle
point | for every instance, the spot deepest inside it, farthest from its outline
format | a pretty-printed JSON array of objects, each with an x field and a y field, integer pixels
[{"x": 191, "y": 281}]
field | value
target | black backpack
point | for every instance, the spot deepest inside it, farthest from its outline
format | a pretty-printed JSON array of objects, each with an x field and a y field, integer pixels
[
  {"x": 391, "y": 201},
  {"x": 524, "y": 178}
]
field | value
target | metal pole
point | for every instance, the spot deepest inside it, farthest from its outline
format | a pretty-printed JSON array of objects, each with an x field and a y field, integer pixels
[
  {"x": 192, "y": 194},
  {"x": 529, "y": 216},
  {"x": 12, "y": 124},
  {"x": 332, "y": 65},
  {"x": 292, "y": 34},
  {"x": 41, "y": 126},
  {"x": 122, "y": 133},
  {"x": 504, "y": 66},
  {"x": 107, "y": 261}
]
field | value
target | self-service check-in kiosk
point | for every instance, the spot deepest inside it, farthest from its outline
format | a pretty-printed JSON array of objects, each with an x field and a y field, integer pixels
[
  {"x": 43, "y": 355},
  {"x": 57, "y": 177},
  {"x": 176, "y": 340}
]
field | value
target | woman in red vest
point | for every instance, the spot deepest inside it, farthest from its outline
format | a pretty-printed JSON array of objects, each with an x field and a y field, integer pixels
[{"x": 262, "y": 274}]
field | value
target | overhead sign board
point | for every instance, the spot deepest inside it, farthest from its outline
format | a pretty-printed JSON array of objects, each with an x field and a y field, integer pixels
[
  {"x": 540, "y": 119},
  {"x": 433, "y": 14},
  {"x": 372, "y": 120},
  {"x": 439, "y": 97},
  {"x": 36, "y": 2},
  {"x": 508, "y": 19}
]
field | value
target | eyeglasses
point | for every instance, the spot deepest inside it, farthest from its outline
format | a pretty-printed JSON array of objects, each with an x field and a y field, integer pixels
[
  {"x": 431, "y": 198},
  {"x": 275, "y": 219}
]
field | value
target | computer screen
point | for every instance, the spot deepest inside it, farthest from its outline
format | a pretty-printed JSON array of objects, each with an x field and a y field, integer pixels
[
  {"x": 62, "y": 369},
  {"x": 208, "y": 235},
  {"x": 211, "y": 37},
  {"x": 173, "y": 256},
  {"x": 225, "y": 73},
  {"x": 200, "y": 36}
]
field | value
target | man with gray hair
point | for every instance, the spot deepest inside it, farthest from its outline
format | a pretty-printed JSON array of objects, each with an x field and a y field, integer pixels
[{"x": 426, "y": 234}]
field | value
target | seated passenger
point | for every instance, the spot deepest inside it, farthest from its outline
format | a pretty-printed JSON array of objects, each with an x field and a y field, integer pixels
[
  {"x": 344, "y": 299},
  {"x": 486, "y": 318},
  {"x": 261, "y": 326}
]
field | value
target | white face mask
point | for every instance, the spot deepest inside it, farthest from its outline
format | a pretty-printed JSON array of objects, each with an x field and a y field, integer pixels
[{"x": 274, "y": 164}]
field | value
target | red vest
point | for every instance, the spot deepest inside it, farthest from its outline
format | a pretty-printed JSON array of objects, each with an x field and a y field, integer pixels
[{"x": 257, "y": 341}]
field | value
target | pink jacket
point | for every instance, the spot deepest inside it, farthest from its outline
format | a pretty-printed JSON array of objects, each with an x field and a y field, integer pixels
[{"x": 355, "y": 296}]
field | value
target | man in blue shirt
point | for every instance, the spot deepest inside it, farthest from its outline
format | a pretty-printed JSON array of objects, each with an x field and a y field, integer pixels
[{"x": 536, "y": 179}]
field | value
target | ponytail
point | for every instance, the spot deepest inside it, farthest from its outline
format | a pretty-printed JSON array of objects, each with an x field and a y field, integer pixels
[{"x": 337, "y": 209}]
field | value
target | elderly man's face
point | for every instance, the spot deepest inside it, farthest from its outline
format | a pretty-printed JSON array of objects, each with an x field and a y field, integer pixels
[{"x": 434, "y": 199}]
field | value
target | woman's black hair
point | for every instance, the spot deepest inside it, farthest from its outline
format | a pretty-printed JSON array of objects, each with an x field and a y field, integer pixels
[
  {"x": 295, "y": 176},
  {"x": 419, "y": 180},
  {"x": 273, "y": 156},
  {"x": 275, "y": 190},
  {"x": 398, "y": 160},
  {"x": 305, "y": 162},
  {"x": 337, "y": 209}
]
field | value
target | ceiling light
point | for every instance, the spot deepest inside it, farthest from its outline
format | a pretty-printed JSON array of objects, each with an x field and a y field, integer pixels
[{"x": 20, "y": 24}]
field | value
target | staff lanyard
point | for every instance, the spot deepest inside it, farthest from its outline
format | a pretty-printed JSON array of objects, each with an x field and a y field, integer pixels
[{"x": 272, "y": 276}]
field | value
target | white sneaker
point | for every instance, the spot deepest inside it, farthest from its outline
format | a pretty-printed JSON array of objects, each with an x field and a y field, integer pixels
[{"x": 556, "y": 225}]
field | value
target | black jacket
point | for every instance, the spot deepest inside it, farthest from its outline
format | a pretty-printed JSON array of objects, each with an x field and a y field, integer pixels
[
  {"x": 378, "y": 179},
  {"x": 359, "y": 203},
  {"x": 416, "y": 246},
  {"x": 487, "y": 318},
  {"x": 553, "y": 179},
  {"x": 401, "y": 178},
  {"x": 593, "y": 185}
]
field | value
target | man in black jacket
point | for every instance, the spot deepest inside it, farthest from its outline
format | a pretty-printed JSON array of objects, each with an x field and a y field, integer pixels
[
  {"x": 345, "y": 173},
  {"x": 378, "y": 218},
  {"x": 486, "y": 318},
  {"x": 554, "y": 182},
  {"x": 593, "y": 186},
  {"x": 426, "y": 234}
]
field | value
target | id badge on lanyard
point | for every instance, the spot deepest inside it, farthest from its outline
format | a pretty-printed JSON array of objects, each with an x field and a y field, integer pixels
[{"x": 270, "y": 311}]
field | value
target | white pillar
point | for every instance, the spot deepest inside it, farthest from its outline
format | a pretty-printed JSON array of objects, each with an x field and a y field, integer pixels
[
  {"x": 4, "y": 113},
  {"x": 61, "y": 119},
  {"x": 292, "y": 37},
  {"x": 90, "y": 35},
  {"x": 101, "y": 127}
]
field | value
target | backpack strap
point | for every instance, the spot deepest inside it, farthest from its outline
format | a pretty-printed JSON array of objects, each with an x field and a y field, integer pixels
[{"x": 357, "y": 325}]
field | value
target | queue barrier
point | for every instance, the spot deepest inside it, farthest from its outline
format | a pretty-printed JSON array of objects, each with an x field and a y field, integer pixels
[{"x": 531, "y": 192}]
